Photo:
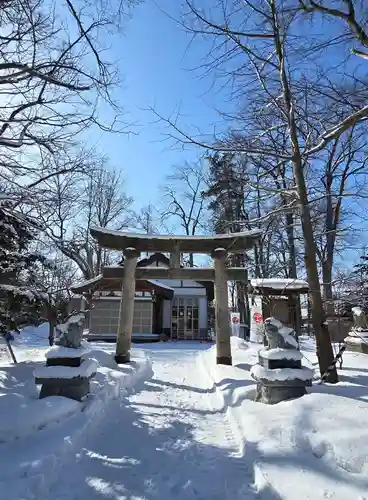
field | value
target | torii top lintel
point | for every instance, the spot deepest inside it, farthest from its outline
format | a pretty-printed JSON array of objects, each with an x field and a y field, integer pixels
[{"x": 232, "y": 242}]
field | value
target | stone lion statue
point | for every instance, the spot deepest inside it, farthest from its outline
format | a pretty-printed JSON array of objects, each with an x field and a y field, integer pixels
[
  {"x": 360, "y": 318},
  {"x": 70, "y": 333},
  {"x": 279, "y": 335}
]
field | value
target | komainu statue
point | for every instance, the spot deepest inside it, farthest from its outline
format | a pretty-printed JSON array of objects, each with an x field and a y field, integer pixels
[
  {"x": 70, "y": 333},
  {"x": 278, "y": 335},
  {"x": 360, "y": 318}
]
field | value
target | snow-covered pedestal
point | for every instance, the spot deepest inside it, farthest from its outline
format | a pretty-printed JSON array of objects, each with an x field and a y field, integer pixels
[
  {"x": 357, "y": 340},
  {"x": 67, "y": 373},
  {"x": 279, "y": 372}
]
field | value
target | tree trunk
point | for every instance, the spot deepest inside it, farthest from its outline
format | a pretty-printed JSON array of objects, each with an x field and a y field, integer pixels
[
  {"x": 191, "y": 260},
  {"x": 52, "y": 320},
  {"x": 324, "y": 348},
  {"x": 292, "y": 271},
  {"x": 327, "y": 286},
  {"x": 51, "y": 333}
]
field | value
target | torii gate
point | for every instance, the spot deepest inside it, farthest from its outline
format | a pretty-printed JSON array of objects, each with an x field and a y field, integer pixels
[{"x": 218, "y": 246}]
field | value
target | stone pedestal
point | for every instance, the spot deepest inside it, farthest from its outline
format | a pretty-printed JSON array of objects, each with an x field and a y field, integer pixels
[
  {"x": 357, "y": 340},
  {"x": 63, "y": 375},
  {"x": 280, "y": 375}
]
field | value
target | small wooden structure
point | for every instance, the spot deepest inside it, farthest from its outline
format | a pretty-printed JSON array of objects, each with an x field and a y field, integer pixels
[
  {"x": 218, "y": 246},
  {"x": 281, "y": 299},
  {"x": 113, "y": 283}
]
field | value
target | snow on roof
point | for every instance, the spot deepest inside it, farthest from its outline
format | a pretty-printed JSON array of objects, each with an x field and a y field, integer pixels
[
  {"x": 161, "y": 285},
  {"x": 113, "y": 232},
  {"x": 279, "y": 283},
  {"x": 91, "y": 281}
]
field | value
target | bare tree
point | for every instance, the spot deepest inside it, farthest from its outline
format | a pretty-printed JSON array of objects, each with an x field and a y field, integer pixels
[
  {"x": 53, "y": 281},
  {"x": 76, "y": 205},
  {"x": 146, "y": 219},
  {"x": 54, "y": 76},
  {"x": 269, "y": 56},
  {"x": 184, "y": 203},
  {"x": 349, "y": 12}
]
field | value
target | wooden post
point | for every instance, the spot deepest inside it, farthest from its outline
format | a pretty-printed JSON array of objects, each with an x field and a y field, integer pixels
[
  {"x": 125, "y": 325},
  {"x": 175, "y": 257},
  {"x": 223, "y": 345}
]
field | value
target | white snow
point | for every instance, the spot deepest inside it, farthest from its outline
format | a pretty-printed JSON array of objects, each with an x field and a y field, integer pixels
[
  {"x": 65, "y": 352},
  {"x": 160, "y": 284},
  {"x": 280, "y": 374},
  {"x": 357, "y": 311},
  {"x": 279, "y": 283},
  {"x": 194, "y": 432},
  {"x": 285, "y": 331},
  {"x": 353, "y": 339},
  {"x": 87, "y": 368},
  {"x": 356, "y": 332},
  {"x": 279, "y": 353},
  {"x": 22, "y": 413},
  {"x": 91, "y": 281},
  {"x": 312, "y": 448},
  {"x": 73, "y": 319},
  {"x": 112, "y": 232}
]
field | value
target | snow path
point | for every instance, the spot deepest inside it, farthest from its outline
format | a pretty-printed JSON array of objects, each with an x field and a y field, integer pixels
[{"x": 168, "y": 441}]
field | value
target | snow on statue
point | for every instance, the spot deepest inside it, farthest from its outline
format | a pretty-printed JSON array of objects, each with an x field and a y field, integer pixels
[
  {"x": 360, "y": 319},
  {"x": 278, "y": 335},
  {"x": 70, "y": 333}
]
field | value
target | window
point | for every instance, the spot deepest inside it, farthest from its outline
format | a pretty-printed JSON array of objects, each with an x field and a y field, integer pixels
[
  {"x": 105, "y": 316},
  {"x": 185, "y": 317}
]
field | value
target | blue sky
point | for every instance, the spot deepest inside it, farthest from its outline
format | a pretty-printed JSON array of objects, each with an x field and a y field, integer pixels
[
  {"x": 151, "y": 59},
  {"x": 155, "y": 63}
]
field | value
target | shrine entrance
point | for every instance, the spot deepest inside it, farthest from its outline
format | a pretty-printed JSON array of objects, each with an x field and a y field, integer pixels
[
  {"x": 218, "y": 246},
  {"x": 185, "y": 318}
]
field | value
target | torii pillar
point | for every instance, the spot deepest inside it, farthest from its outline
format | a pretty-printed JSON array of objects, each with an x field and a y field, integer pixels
[
  {"x": 223, "y": 345},
  {"x": 126, "y": 311}
]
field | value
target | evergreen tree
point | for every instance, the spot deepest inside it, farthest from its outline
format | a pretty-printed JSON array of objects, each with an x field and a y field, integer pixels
[
  {"x": 360, "y": 276},
  {"x": 227, "y": 180},
  {"x": 19, "y": 306}
]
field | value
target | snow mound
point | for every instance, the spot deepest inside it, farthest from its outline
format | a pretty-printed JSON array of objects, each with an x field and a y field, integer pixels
[
  {"x": 34, "y": 335},
  {"x": 103, "y": 358},
  {"x": 39, "y": 436},
  {"x": 238, "y": 343},
  {"x": 320, "y": 439},
  {"x": 21, "y": 412}
]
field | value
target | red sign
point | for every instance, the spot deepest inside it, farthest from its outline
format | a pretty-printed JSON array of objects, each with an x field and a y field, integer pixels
[
  {"x": 258, "y": 318},
  {"x": 235, "y": 320}
]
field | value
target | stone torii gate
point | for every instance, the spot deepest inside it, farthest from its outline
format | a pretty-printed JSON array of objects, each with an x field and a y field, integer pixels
[{"x": 218, "y": 246}]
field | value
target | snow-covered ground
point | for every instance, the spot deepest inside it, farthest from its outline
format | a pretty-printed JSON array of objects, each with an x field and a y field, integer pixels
[
  {"x": 315, "y": 447},
  {"x": 192, "y": 431},
  {"x": 37, "y": 436}
]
